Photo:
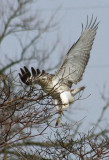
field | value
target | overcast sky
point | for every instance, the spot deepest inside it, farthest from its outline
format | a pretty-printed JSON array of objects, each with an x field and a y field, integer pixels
[{"x": 70, "y": 15}]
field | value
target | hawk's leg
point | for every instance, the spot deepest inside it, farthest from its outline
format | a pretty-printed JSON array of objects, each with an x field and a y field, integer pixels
[
  {"x": 57, "y": 104},
  {"x": 77, "y": 90},
  {"x": 59, "y": 118},
  {"x": 64, "y": 100},
  {"x": 61, "y": 104}
]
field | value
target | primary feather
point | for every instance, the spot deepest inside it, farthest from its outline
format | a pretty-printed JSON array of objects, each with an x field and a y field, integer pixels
[{"x": 77, "y": 57}]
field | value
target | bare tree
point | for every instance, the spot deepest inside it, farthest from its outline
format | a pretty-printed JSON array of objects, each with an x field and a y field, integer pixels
[
  {"x": 27, "y": 114},
  {"x": 27, "y": 28}
]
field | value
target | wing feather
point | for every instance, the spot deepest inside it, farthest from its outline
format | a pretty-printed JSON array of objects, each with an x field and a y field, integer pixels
[{"x": 77, "y": 57}]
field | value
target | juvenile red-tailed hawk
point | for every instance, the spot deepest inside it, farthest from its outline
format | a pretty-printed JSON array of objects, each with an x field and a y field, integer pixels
[{"x": 59, "y": 85}]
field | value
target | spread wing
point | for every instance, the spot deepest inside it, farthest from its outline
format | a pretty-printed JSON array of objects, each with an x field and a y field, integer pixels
[
  {"x": 28, "y": 78},
  {"x": 77, "y": 58}
]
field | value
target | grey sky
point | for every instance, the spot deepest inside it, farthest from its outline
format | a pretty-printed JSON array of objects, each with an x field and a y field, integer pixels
[
  {"x": 71, "y": 14},
  {"x": 74, "y": 13}
]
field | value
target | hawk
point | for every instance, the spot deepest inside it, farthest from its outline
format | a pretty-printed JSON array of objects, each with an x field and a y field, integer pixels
[{"x": 59, "y": 85}]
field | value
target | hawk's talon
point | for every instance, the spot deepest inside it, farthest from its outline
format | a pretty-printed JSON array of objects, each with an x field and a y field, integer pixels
[{"x": 58, "y": 121}]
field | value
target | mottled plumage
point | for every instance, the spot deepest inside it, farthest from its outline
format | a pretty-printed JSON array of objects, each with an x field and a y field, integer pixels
[{"x": 71, "y": 71}]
